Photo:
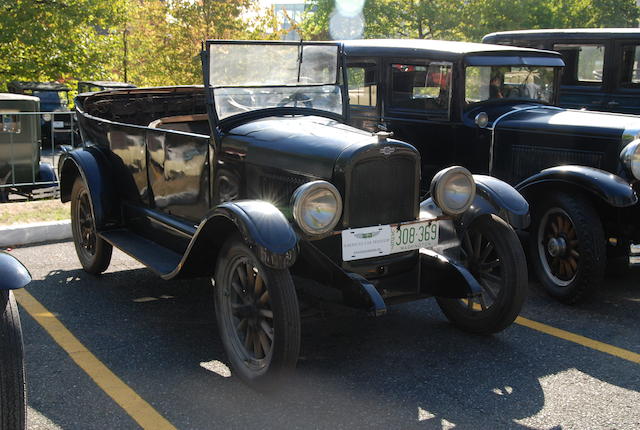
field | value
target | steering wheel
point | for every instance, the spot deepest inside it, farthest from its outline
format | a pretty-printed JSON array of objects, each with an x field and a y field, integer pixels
[{"x": 295, "y": 98}]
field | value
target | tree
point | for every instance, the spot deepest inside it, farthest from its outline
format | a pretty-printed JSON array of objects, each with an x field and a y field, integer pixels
[{"x": 57, "y": 39}]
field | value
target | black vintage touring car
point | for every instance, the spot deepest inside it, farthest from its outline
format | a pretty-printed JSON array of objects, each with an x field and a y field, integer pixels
[
  {"x": 255, "y": 178},
  {"x": 491, "y": 109}
]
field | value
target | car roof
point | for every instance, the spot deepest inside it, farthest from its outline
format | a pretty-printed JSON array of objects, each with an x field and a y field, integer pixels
[
  {"x": 576, "y": 33},
  {"x": 440, "y": 48},
  {"x": 13, "y": 96},
  {"x": 38, "y": 86},
  {"x": 110, "y": 84}
]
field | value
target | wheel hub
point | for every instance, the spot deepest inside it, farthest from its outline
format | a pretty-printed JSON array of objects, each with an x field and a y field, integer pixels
[{"x": 557, "y": 247}]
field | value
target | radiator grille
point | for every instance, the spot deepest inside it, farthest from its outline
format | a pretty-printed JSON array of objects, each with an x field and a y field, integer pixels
[
  {"x": 382, "y": 191},
  {"x": 527, "y": 160}
]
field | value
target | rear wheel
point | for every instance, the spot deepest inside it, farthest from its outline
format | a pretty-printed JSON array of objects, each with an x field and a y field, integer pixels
[
  {"x": 93, "y": 252},
  {"x": 493, "y": 254},
  {"x": 12, "y": 387},
  {"x": 258, "y": 316},
  {"x": 567, "y": 247}
]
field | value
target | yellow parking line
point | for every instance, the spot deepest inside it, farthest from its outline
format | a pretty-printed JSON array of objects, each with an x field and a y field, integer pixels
[
  {"x": 141, "y": 411},
  {"x": 580, "y": 340}
]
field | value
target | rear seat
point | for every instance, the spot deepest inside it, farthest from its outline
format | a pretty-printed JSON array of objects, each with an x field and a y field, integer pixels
[{"x": 197, "y": 123}]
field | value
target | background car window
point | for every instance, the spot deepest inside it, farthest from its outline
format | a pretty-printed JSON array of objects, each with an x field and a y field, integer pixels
[
  {"x": 418, "y": 87},
  {"x": 630, "y": 73},
  {"x": 583, "y": 63},
  {"x": 362, "y": 85},
  {"x": 10, "y": 124},
  {"x": 509, "y": 82}
]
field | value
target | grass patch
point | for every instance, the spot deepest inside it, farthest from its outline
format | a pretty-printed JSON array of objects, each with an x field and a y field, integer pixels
[{"x": 36, "y": 211}]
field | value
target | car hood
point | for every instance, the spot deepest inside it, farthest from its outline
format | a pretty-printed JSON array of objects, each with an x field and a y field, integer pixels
[
  {"x": 305, "y": 145},
  {"x": 562, "y": 121}
]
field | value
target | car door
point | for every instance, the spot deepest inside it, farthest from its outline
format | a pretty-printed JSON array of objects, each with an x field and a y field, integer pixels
[
  {"x": 585, "y": 76},
  {"x": 363, "y": 87},
  {"x": 417, "y": 108},
  {"x": 625, "y": 88}
]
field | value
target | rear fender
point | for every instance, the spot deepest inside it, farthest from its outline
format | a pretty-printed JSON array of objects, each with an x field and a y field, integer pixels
[
  {"x": 608, "y": 187},
  {"x": 91, "y": 165},
  {"x": 13, "y": 274}
]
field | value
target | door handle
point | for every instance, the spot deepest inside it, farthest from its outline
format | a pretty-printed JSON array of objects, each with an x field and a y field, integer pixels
[{"x": 613, "y": 103}]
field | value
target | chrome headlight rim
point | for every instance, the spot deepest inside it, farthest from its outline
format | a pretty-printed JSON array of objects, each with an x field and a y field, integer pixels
[
  {"x": 439, "y": 186},
  {"x": 298, "y": 200},
  {"x": 630, "y": 158}
]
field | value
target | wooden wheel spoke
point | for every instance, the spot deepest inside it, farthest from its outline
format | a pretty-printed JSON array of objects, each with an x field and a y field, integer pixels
[
  {"x": 264, "y": 342},
  {"x": 240, "y": 292},
  {"x": 267, "y": 313},
  {"x": 242, "y": 275},
  {"x": 485, "y": 267},
  {"x": 258, "y": 285},
  {"x": 267, "y": 329},
  {"x": 251, "y": 274},
  {"x": 487, "y": 289},
  {"x": 477, "y": 246},
  {"x": 242, "y": 325},
  {"x": 491, "y": 277},
  {"x": 486, "y": 251},
  {"x": 256, "y": 343},
  {"x": 264, "y": 298},
  {"x": 248, "y": 338},
  {"x": 483, "y": 304}
]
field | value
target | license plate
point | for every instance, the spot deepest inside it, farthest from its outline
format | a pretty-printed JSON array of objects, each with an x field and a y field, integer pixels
[
  {"x": 58, "y": 124},
  {"x": 368, "y": 242}
]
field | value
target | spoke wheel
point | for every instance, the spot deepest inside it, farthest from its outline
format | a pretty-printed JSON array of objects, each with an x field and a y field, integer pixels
[
  {"x": 93, "y": 252},
  {"x": 492, "y": 253},
  {"x": 568, "y": 247},
  {"x": 258, "y": 316},
  {"x": 12, "y": 386}
]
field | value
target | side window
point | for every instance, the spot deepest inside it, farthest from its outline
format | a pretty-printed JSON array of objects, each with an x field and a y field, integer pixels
[
  {"x": 10, "y": 123},
  {"x": 363, "y": 90},
  {"x": 584, "y": 63},
  {"x": 630, "y": 67},
  {"x": 421, "y": 87}
]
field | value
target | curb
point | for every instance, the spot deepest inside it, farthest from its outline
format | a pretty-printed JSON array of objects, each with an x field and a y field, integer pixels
[{"x": 28, "y": 234}]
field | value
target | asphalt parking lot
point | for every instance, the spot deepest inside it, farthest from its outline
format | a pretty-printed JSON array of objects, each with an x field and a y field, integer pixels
[{"x": 128, "y": 349}]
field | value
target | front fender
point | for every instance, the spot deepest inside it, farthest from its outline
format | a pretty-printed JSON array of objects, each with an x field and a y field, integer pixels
[
  {"x": 608, "y": 187},
  {"x": 494, "y": 196},
  {"x": 13, "y": 274},
  {"x": 260, "y": 224},
  {"x": 90, "y": 164}
]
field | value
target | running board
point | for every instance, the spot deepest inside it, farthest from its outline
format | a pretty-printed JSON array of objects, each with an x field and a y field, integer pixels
[{"x": 156, "y": 257}]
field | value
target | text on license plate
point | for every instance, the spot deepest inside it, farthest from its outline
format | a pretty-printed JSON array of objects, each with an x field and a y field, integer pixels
[{"x": 368, "y": 242}]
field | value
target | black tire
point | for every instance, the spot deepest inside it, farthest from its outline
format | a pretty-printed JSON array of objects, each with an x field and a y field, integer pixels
[
  {"x": 258, "y": 316},
  {"x": 568, "y": 248},
  {"x": 493, "y": 254},
  {"x": 93, "y": 252},
  {"x": 13, "y": 408}
]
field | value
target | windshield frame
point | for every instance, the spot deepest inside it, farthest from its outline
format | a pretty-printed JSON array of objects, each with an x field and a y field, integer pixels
[{"x": 339, "y": 83}]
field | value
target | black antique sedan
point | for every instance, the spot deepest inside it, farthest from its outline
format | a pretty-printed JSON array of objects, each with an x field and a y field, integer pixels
[
  {"x": 255, "y": 177},
  {"x": 491, "y": 109},
  {"x": 13, "y": 407}
]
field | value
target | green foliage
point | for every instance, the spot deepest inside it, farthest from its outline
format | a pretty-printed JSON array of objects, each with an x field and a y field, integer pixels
[
  {"x": 57, "y": 39},
  {"x": 471, "y": 19}
]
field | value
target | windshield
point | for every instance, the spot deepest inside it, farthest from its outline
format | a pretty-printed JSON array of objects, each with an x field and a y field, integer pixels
[
  {"x": 511, "y": 82},
  {"x": 251, "y": 76},
  {"x": 52, "y": 100}
]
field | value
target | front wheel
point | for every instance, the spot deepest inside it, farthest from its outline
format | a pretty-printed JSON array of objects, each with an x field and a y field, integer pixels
[
  {"x": 93, "y": 252},
  {"x": 568, "y": 248},
  {"x": 12, "y": 388},
  {"x": 258, "y": 316},
  {"x": 493, "y": 254}
]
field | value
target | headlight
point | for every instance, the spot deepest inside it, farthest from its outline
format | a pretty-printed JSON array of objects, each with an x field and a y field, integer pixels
[
  {"x": 630, "y": 157},
  {"x": 46, "y": 117},
  {"x": 453, "y": 190},
  {"x": 317, "y": 207}
]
